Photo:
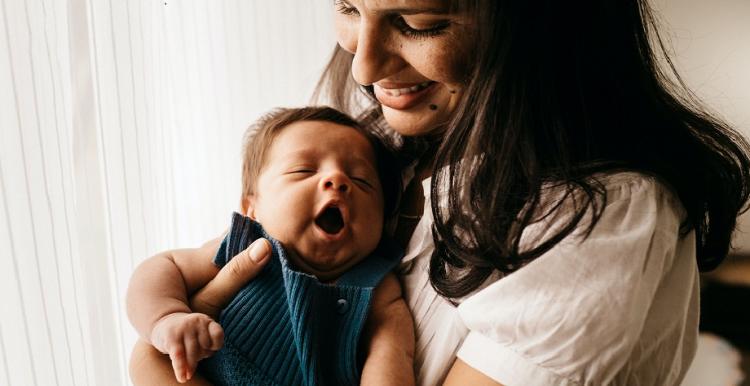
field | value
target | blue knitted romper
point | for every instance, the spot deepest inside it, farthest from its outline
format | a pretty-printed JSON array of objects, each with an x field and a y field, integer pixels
[{"x": 287, "y": 328}]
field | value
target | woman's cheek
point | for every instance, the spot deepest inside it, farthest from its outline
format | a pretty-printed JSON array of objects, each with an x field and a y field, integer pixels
[
  {"x": 442, "y": 63},
  {"x": 455, "y": 56}
]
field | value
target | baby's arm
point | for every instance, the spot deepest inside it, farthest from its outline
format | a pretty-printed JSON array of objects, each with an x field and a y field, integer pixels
[
  {"x": 157, "y": 306},
  {"x": 389, "y": 338}
]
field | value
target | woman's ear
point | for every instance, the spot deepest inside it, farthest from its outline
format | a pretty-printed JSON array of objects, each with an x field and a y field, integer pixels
[{"x": 248, "y": 206}]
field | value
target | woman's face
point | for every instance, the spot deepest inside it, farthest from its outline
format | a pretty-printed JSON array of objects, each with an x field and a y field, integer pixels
[{"x": 413, "y": 52}]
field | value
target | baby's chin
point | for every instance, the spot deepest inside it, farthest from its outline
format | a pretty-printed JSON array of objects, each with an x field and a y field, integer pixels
[{"x": 326, "y": 269}]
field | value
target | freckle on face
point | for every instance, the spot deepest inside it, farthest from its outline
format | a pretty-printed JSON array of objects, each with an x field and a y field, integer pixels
[{"x": 443, "y": 59}]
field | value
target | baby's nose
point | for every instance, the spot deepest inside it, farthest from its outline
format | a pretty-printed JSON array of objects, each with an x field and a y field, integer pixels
[{"x": 336, "y": 181}]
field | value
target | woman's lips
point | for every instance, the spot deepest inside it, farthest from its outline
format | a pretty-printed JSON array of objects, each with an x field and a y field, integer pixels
[{"x": 404, "y": 96}]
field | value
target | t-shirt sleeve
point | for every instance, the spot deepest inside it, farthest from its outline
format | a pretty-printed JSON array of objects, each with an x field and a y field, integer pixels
[{"x": 574, "y": 315}]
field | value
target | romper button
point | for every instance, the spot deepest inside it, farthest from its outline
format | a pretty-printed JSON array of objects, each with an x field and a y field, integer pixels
[{"x": 342, "y": 306}]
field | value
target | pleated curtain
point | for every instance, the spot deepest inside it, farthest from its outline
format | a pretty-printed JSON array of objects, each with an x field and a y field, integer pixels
[{"x": 121, "y": 126}]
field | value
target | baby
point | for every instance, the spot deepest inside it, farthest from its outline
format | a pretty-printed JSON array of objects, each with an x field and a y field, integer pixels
[{"x": 315, "y": 181}]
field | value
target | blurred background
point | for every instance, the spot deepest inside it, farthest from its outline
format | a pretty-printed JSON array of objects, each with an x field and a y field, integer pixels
[
  {"x": 120, "y": 124},
  {"x": 710, "y": 44}
]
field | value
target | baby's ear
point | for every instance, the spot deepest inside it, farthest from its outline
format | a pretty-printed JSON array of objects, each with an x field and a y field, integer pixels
[{"x": 248, "y": 206}]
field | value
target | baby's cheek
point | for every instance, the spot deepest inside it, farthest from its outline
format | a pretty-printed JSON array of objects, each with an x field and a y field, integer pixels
[
  {"x": 373, "y": 232},
  {"x": 270, "y": 217},
  {"x": 279, "y": 226}
]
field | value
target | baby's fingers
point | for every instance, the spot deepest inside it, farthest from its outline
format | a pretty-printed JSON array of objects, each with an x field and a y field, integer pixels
[
  {"x": 217, "y": 336},
  {"x": 204, "y": 338},
  {"x": 210, "y": 336},
  {"x": 179, "y": 363},
  {"x": 193, "y": 354}
]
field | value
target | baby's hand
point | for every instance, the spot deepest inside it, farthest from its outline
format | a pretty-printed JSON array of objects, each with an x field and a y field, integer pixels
[{"x": 187, "y": 338}]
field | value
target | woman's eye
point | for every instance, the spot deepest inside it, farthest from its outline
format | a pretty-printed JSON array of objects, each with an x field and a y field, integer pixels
[
  {"x": 345, "y": 8},
  {"x": 410, "y": 31}
]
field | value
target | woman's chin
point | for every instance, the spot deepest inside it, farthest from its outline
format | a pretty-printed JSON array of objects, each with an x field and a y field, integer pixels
[
  {"x": 429, "y": 117},
  {"x": 415, "y": 122}
]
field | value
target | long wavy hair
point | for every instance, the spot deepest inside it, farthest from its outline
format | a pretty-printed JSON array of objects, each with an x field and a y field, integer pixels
[{"x": 559, "y": 93}]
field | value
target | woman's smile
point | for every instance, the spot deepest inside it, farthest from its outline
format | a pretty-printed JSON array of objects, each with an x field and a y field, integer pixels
[{"x": 403, "y": 96}]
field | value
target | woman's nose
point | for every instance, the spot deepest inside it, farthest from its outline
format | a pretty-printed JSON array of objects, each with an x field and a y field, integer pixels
[
  {"x": 337, "y": 182},
  {"x": 374, "y": 58}
]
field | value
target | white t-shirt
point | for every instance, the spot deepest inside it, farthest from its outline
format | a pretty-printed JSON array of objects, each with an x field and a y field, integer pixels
[{"x": 619, "y": 308}]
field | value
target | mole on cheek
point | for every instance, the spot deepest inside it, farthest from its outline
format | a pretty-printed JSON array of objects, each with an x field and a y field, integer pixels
[{"x": 433, "y": 107}]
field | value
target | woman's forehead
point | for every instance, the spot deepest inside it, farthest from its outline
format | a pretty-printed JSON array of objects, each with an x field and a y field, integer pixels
[{"x": 405, "y": 6}]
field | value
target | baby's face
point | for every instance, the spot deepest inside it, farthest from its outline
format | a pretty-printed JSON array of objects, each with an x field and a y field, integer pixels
[{"x": 319, "y": 194}]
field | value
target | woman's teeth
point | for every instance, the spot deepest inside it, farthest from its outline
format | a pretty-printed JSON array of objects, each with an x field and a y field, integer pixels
[{"x": 406, "y": 90}]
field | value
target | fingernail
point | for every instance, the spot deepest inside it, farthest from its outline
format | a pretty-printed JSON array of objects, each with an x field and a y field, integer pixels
[{"x": 259, "y": 251}]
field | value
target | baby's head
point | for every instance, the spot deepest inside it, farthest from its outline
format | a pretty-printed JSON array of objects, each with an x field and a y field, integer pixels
[{"x": 312, "y": 177}]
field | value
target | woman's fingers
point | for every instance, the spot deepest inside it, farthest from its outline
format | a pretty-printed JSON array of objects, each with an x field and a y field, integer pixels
[{"x": 215, "y": 295}]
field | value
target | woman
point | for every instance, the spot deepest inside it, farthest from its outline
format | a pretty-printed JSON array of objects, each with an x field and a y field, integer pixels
[{"x": 564, "y": 194}]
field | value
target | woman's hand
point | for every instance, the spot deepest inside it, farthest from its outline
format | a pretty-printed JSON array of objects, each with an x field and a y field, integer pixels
[{"x": 217, "y": 293}]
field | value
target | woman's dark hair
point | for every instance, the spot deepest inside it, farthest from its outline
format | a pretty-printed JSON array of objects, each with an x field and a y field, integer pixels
[
  {"x": 560, "y": 92},
  {"x": 260, "y": 135}
]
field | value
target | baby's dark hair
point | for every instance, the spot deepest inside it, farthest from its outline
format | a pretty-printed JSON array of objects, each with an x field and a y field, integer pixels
[{"x": 260, "y": 136}]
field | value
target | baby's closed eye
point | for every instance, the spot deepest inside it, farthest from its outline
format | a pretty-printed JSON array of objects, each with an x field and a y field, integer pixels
[{"x": 364, "y": 181}]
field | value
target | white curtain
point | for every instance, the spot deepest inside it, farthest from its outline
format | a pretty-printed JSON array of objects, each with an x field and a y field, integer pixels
[{"x": 121, "y": 123}]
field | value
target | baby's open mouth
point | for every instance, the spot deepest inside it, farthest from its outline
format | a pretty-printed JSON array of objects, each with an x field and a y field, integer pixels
[{"x": 331, "y": 221}]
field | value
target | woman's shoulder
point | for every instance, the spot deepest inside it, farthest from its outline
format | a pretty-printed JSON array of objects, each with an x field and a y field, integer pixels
[
  {"x": 631, "y": 184},
  {"x": 641, "y": 193},
  {"x": 626, "y": 197},
  {"x": 591, "y": 310},
  {"x": 618, "y": 185}
]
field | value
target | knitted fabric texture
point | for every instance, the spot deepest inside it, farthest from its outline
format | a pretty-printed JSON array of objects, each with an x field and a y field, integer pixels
[{"x": 287, "y": 328}]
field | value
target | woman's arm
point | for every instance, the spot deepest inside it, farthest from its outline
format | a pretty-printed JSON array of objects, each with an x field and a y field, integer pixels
[
  {"x": 462, "y": 374},
  {"x": 389, "y": 336}
]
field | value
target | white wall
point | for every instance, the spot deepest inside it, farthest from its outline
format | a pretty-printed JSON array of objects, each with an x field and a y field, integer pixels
[{"x": 711, "y": 43}]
